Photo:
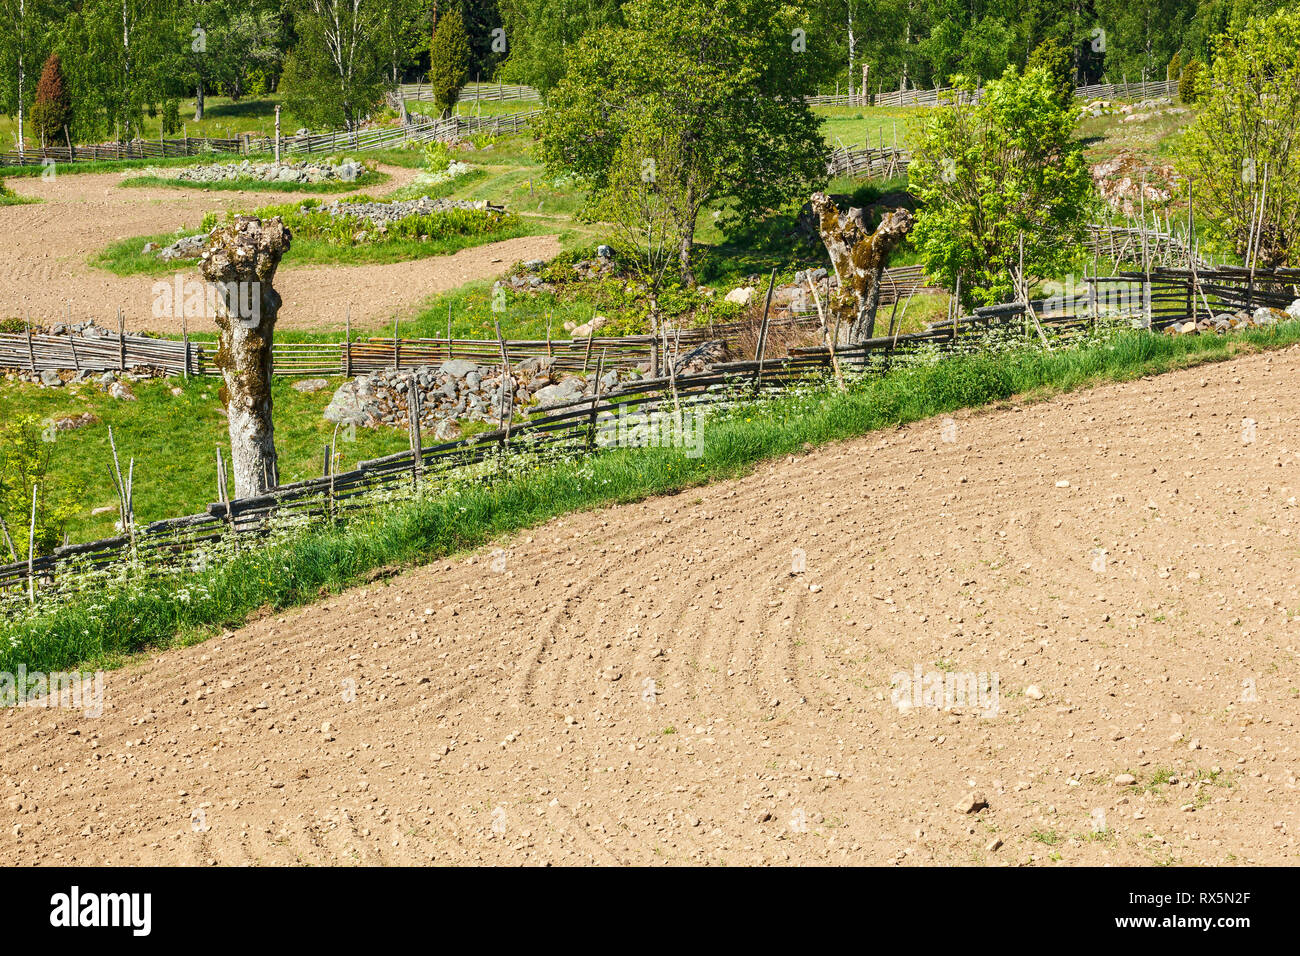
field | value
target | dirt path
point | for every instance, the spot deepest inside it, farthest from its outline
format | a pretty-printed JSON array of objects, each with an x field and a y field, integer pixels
[
  {"x": 43, "y": 260},
  {"x": 496, "y": 708}
]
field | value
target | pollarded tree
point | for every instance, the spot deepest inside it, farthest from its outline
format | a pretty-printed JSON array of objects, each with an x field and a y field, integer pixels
[
  {"x": 448, "y": 60},
  {"x": 52, "y": 112},
  {"x": 1249, "y": 127},
  {"x": 988, "y": 174},
  {"x": 732, "y": 74}
]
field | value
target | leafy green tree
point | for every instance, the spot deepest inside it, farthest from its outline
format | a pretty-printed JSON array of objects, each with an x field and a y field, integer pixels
[
  {"x": 725, "y": 74},
  {"x": 26, "y": 454},
  {"x": 25, "y": 38},
  {"x": 996, "y": 176},
  {"x": 1248, "y": 128},
  {"x": 647, "y": 199},
  {"x": 52, "y": 112},
  {"x": 335, "y": 74},
  {"x": 203, "y": 27},
  {"x": 119, "y": 55},
  {"x": 1056, "y": 59},
  {"x": 539, "y": 32},
  {"x": 401, "y": 29},
  {"x": 1187, "y": 81},
  {"x": 448, "y": 60},
  {"x": 1174, "y": 71}
]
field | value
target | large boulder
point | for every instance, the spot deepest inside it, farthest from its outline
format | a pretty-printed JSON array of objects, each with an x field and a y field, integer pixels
[
  {"x": 457, "y": 368},
  {"x": 569, "y": 390}
]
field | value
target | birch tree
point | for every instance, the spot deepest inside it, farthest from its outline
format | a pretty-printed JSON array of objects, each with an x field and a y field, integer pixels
[
  {"x": 24, "y": 41},
  {"x": 336, "y": 72}
]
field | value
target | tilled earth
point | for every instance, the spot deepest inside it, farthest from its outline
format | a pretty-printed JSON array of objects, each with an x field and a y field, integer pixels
[
  {"x": 45, "y": 269},
  {"x": 653, "y": 684}
]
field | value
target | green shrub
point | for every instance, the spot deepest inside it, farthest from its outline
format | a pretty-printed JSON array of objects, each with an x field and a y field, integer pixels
[
  {"x": 26, "y": 452},
  {"x": 1187, "y": 82}
]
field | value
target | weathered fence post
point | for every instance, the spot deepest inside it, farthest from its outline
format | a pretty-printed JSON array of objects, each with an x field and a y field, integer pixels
[
  {"x": 347, "y": 343},
  {"x": 31, "y": 548},
  {"x": 761, "y": 350},
  {"x": 121, "y": 341}
]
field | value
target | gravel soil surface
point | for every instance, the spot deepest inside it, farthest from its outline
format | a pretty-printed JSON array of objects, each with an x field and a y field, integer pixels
[
  {"x": 652, "y": 684},
  {"x": 46, "y": 247}
]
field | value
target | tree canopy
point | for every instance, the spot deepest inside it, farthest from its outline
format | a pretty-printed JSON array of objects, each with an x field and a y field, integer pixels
[
  {"x": 726, "y": 78},
  {"x": 997, "y": 180}
]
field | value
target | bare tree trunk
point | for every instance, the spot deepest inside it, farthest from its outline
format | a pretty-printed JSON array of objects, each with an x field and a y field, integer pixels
[
  {"x": 859, "y": 258},
  {"x": 198, "y": 101},
  {"x": 240, "y": 261}
]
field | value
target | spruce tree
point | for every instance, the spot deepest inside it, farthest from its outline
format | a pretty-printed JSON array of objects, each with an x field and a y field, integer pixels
[{"x": 448, "y": 60}]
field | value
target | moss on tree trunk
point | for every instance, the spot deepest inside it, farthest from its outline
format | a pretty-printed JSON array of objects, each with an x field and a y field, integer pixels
[{"x": 859, "y": 257}]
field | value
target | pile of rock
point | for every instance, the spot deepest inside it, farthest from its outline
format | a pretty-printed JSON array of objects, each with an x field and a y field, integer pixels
[
  {"x": 302, "y": 172},
  {"x": 117, "y": 384},
  {"x": 1261, "y": 318},
  {"x": 460, "y": 390},
  {"x": 527, "y": 277},
  {"x": 1132, "y": 112},
  {"x": 380, "y": 213}
]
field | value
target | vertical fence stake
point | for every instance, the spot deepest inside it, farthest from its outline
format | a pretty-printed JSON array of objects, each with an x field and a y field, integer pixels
[
  {"x": 31, "y": 549},
  {"x": 595, "y": 402},
  {"x": 31, "y": 353},
  {"x": 121, "y": 342},
  {"x": 762, "y": 332},
  {"x": 347, "y": 344},
  {"x": 4, "y": 529}
]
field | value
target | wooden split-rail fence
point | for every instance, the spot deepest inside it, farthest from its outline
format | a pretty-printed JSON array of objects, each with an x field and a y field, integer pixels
[
  {"x": 868, "y": 162},
  {"x": 420, "y": 129},
  {"x": 474, "y": 93},
  {"x": 581, "y": 427}
]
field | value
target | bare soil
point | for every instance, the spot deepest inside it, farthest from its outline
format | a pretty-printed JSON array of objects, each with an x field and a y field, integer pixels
[
  {"x": 44, "y": 257},
  {"x": 496, "y": 708}
]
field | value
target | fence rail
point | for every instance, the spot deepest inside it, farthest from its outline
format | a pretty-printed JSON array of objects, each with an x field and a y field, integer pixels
[
  {"x": 945, "y": 95},
  {"x": 869, "y": 162}
]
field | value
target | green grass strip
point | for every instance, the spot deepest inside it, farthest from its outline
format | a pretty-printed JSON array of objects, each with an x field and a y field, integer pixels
[{"x": 105, "y": 627}]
